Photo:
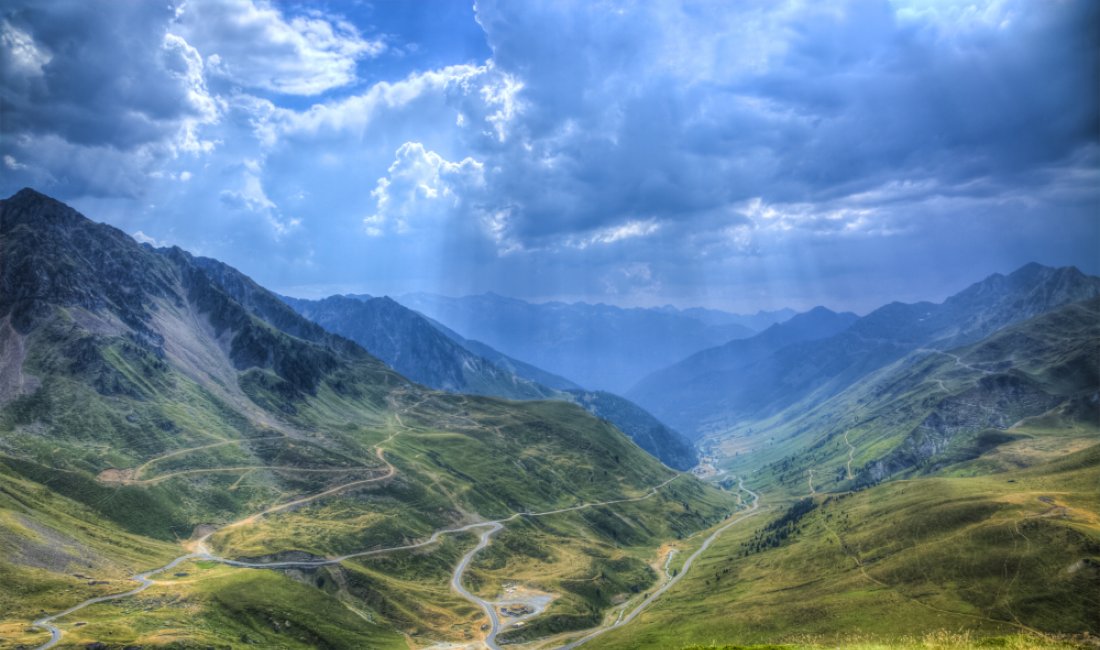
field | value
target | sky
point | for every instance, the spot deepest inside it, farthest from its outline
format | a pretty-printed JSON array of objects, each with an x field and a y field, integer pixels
[{"x": 745, "y": 155}]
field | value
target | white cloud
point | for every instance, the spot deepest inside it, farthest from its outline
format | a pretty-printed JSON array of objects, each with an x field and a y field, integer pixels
[
  {"x": 612, "y": 234},
  {"x": 421, "y": 187},
  {"x": 25, "y": 56},
  {"x": 253, "y": 44},
  {"x": 828, "y": 218},
  {"x": 501, "y": 96},
  {"x": 184, "y": 62},
  {"x": 249, "y": 196},
  {"x": 355, "y": 113},
  {"x": 141, "y": 238}
]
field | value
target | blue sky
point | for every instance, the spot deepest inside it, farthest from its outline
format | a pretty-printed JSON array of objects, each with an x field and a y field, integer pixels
[{"x": 735, "y": 155}]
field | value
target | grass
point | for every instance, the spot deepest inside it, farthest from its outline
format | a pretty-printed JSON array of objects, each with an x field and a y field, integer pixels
[
  {"x": 229, "y": 608},
  {"x": 938, "y": 640},
  {"x": 458, "y": 459},
  {"x": 991, "y": 556}
]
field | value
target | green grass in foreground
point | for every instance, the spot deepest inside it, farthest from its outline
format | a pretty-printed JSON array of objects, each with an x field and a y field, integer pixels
[
  {"x": 939, "y": 640},
  {"x": 990, "y": 556}
]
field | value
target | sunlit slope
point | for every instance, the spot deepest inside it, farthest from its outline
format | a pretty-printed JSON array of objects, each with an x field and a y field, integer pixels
[
  {"x": 934, "y": 408},
  {"x": 164, "y": 397},
  {"x": 1011, "y": 553}
]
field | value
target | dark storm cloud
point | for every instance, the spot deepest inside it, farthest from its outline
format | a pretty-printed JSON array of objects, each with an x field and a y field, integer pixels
[
  {"x": 845, "y": 98},
  {"x": 98, "y": 74},
  {"x": 96, "y": 95}
]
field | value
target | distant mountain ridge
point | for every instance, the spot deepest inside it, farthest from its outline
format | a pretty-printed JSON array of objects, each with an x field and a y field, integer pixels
[
  {"x": 597, "y": 346},
  {"x": 761, "y": 320},
  {"x": 807, "y": 372}
]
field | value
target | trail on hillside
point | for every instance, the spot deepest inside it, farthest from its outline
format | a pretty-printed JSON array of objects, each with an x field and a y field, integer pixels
[
  {"x": 649, "y": 600},
  {"x": 851, "y": 452},
  {"x": 854, "y": 555},
  {"x": 199, "y": 549},
  {"x": 958, "y": 360},
  {"x": 668, "y": 560}
]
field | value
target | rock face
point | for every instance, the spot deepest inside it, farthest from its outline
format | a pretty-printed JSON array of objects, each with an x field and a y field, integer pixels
[
  {"x": 1047, "y": 363},
  {"x": 996, "y": 403},
  {"x": 50, "y": 254}
]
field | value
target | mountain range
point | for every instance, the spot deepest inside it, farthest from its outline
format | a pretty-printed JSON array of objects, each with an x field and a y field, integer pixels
[
  {"x": 190, "y": 460},
  {"x": 599, "y": 346},
  {"x": 819, "y": 354}
]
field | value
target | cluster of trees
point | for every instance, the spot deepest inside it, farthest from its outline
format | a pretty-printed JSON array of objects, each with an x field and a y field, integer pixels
[{"x": 774, "y": 534}]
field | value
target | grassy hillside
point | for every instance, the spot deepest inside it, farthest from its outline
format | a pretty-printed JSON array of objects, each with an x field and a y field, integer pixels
[
  {"x": 931, "y": 410},
  {"x": 154, "y": 401},
  {"x": 1003, "y": 555},
  {"x": 949, "y": 500}
]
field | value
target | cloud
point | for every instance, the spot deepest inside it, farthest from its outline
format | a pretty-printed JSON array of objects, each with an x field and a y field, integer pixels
[
  {"x": 255, "y": 45},
  {"x": 653, "y": 108},
  {"x": 88, "y": 112},
  {"x": 25, "y": 57},
  {"x": 141, "y": 238},
  {"x": 249, "y": 196},
  {"x": 635, "y": 149},
  {"x": 610, "y": 235},
  {"x": 355, "y": 113},
  {"x": 68, "y": 74},
  {"x": 422, "y": 188}
]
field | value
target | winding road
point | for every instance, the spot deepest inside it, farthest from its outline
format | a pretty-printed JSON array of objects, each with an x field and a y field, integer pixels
[
  {"x": 199, "y": 550},
  {"x": 623, "y": 620},
  {"x": 958, "y": 360}
]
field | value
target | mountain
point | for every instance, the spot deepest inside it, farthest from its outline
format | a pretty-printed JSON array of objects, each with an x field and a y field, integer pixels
[
  {"x": 648, "y": 432},
  {"x": 991, "y": 539},
  {"x": 164, "y": 410},
  {"x": 505, "y": 362},
  {"x": 597, "y": 346},
  {"x": 935, "y": 408},
  {"x": 411, "y": 345},
  {"x": 429, "y": 353},
  {"x": 807, "y": 372},
  {"x": 702, "y": 382},
  {"x": 757, "y": 322}
]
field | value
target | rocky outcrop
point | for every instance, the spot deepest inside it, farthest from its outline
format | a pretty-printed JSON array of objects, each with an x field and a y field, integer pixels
[{"x": 995, "y": 403}]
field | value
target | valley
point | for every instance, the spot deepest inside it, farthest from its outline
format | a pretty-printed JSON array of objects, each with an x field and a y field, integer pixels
[
  {"x": 543, "y": 325},
  {"x": 188, "y": 461}
]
